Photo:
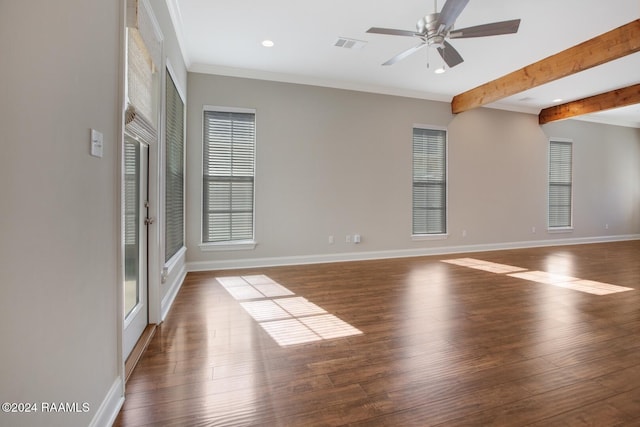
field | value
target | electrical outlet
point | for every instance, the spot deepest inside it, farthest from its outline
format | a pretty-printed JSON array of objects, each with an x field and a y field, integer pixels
[
  {"x": 331, "y": 240},
  {"x": 464, "y": 233}
]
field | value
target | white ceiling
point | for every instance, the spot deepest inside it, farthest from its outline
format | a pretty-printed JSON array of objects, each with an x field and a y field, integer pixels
[{"x": 225, "y": 38}]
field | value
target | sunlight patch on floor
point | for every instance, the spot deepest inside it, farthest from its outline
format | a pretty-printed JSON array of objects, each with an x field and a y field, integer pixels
[
  {"x": 228, "y": 282},
  {"x": 264, "y": 310},
  {"x": 543, "y": 277},
  {"x": 329, "y": 326},
  {"x": 258, "y": 279},
  {"x": 289, "y": 332},
  {"x": 479, "y": 264},
  {"x": 290, "y": 320},
  {"x": 273, "y": 290},
  {"x": 554, "y": 279},
  {"x": 299, "y": 306},
  {"x": 568, "y": 282},
  {"x": 252, "y": 287},
  {"x": 244, "y": 292}
]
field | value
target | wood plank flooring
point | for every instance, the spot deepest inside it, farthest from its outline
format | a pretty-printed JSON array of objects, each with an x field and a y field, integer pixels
[{"x": 442, "y": 344}]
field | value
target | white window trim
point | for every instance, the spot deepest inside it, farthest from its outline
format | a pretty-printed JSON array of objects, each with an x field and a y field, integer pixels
[
  {"x": 179, "y": 85},
  {"x": 173, "y": 261},
  {"x": 569, "y": 229},
  {"x": 445, "y": 235},
  {"x": 239, "y": 245},
  {"x": 423, "y": 237},
  {"x": 560, "y": 230}
]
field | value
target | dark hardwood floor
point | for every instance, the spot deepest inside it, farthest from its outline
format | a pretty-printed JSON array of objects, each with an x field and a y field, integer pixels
[{"x": 441, "y": 344}]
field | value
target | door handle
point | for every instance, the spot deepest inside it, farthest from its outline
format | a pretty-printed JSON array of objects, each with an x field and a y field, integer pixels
[{"x": 149, "y": 220}]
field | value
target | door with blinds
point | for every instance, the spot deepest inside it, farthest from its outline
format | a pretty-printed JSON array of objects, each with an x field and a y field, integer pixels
[
  {"x": 136, "y": 221},
  {"x": 141, "y": 117}
]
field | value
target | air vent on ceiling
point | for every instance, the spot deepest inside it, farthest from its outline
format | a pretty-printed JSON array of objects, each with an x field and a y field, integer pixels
[{"x": 349, "y": 43}]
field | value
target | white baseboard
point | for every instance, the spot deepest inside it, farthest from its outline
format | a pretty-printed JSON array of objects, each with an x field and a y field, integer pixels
[
  {"x": 110, "y": 406},
  {"x": 170, "y": 296},
  {"x": 402, "y": 253}
]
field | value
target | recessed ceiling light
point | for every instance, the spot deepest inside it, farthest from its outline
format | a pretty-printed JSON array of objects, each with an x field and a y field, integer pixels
[
  {"x": 440, "y": 70},
  {"x": 557, "y": 100},
  {"x": 267, "y": 43}
]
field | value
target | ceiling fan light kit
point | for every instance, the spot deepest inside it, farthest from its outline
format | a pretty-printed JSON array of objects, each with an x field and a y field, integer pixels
[{"x": 434, "y": 28}]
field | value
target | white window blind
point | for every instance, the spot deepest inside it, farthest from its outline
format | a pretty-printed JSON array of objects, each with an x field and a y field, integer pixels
[
  {"x": 228, "y": 176},
  {"x": 143, "y": 57},
  {"x": 429, "y": 181},
  {"x": 131, "y": 191},
  {"x": 174, "y": 170},
  {"x": 560, "y": 184},
  {"x": 140, "y": 70}
]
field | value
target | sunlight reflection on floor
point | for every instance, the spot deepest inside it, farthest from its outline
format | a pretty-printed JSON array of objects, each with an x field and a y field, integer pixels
[
  {"x": 478, "y": 264},
  {"x": 289, "y": 321},
  {"x": 559, "y": 280},
  {"x": 568, "y": 282}
]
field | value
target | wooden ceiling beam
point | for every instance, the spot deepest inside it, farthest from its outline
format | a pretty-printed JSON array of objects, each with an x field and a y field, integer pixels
[
  {"x": 606, "y": 47},
  {"x": 605, "y": 101}
]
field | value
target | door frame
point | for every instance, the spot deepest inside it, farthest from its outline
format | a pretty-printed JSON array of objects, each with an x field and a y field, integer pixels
[{"x": 155, "y": 260}]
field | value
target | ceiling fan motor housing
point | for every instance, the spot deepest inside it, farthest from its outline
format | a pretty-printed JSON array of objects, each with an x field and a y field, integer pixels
[{"x": 430, "y": 33}]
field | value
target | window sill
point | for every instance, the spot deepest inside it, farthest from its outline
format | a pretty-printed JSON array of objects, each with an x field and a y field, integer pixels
[
  {"x": 243, "y": 245},
  {"x": 558, "y": 230},
  {"x": 175, "y": 259},
  {"x": 424, "y": 237}
]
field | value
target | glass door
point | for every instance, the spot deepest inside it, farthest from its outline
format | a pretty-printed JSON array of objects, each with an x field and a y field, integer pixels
[{"x": 136, "y": 177}]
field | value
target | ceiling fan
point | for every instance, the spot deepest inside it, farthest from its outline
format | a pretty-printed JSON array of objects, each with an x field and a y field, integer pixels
[{"x": 434, "y": 28}]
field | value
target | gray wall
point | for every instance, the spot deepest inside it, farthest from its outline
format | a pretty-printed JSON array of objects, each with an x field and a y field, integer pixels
[
  {"x": 59, "y": 220},
  {"x": 606, "y": 176},
  {"x": 337, "y": 162}
]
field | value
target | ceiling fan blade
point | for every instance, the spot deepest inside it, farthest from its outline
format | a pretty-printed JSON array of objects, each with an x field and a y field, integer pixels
[
  {"x": 450, "y": 55},
  {"x": 450, "y": 12},
  {"x": 493, "y": 29},
  {"x": 404, "y": 54},
  {"x": 391, "y": 32}
]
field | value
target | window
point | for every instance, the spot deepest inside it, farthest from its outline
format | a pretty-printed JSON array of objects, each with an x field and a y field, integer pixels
[
  {"x": 560, "y": 184},
  {"x": 429, "y": 181},
  {"x": 228, "y": 176},
  {"x": 174, "y": 171}
]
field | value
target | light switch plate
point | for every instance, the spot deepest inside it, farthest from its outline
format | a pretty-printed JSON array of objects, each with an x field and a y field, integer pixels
[{"x": 96, "y": 143}]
